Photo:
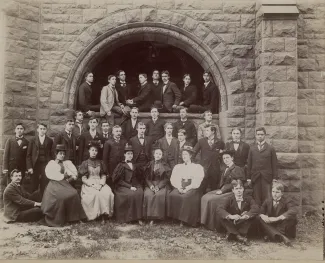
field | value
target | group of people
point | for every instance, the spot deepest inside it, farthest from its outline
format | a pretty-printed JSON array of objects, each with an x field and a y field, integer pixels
[
  {"x": 148, "y": 172},
  {"x": 118, "y": 97}
]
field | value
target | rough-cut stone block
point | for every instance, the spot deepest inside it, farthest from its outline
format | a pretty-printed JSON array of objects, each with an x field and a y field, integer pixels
[
  {"x": 14, "y": 113},
  {"x": 63, "y": 71},
  {"x": 57, "y": 97},
  {"x": 17, "y": 34},
  {"x": 24, "y": 101},
  {"x": 245, "y": 36},
  {"x": 273, "y": 73},
  {"x": 285, "y": 146},
  {"x": 242, "y": 50},
  {"x": 165, "y": 4},
  {"x": 14, "y": 86},
  {"x": 306, "y": 146},
  {"x": 227, "y": 61},
  {"x": 233, "y": 74},
  {"x": 190, "y": 24},
  {"x": 58, "y": 84},
  {"x": 306, "y": 64},
  {"x": 238, "y": 7},
  {"x": 320, "y": 100},
  {"x": 288, "y": 160},
  {"x": 43, "y": 102},
  {"x": 290, "y": 44},
  {"x": 271, "y": 104},
  {"x": 187, "y": 4},
  {"x": 303, "y": 80},
  {"x": 47, "y": 76},
  {"x": 212, "y": 41},
  {"x": 283, "y": 89},
  {"x": 74, "y": 29},
  {"x": 228, "y": 38},
  {"x": 52, "y": 28},
  {"x": 76, "y": 48},
  {"x": 273, "y": 45},
  {"x": 284, "y": 58},
  {"x": 149, "y": 14},
  {"x": 201, "y": 31},
  {"x": 236, "y": 112},
  {"x": 289, "y": 174},
  {"x": 93, "y": 15},
  {"x": 55, "y": 18},
  {"x": 308, "y": 121},
  {"x": 288, "y": 104},
  {"x": 236, "y": 122},
  {"x": 302, "y": 51},
  {"x": 284, "y": 28},
  {"x": 76, "y": 19},
  {"x": 249, "y": 84},
  {"x": 30, "y": 114},
  {"x": 178, "y": 20},
  {"x": 316, "y": 46},
  {"x": 217, "y": 26},
  {"x": 29, "y": 12},
  {"x": 49, "y": 46},
  {"x": 11, "y": 8},
  {"x": 307, "y": 94},
  {"x": 43, "y": 114},
  {"x": 56, "y": 120},
  {"x": 133, "y": 16},
  {"x": 292, "y": 73},
  {"x": 247, "y": 21}
]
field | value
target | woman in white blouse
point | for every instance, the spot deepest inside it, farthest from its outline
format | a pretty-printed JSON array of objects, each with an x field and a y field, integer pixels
[{"x": 184, "y": 200}]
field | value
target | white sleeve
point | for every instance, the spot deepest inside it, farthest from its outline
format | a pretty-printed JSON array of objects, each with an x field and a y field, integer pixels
[
  {"x": 52, "y": 171},
  {"x": 70, "y": 169},
  {"x": 175, "y": 177},
  {"x": 198, "y": 175}
]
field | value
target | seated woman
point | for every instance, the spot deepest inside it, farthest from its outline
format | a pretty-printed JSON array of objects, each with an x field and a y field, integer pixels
[
  {"x": 278, "y": 216},
  {"x": 157, "y": 174},
  {"x": 183, "y": 203},
  {"x": 61, "y": 202},
  {"x": 237, "y": 213},
  {"x": 211, "y": 200},
  {"x": 97, "y": 198},
  {"x": 128, "y": 190},
  {"x": 18, "y": 205}
]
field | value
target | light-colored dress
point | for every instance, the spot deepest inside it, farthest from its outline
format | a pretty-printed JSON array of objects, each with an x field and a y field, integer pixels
[{"x": 94, "y": 202}]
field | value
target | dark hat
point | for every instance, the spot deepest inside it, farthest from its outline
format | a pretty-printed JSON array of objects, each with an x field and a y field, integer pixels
[
  {"x": 230, "y": 152},
  {"x": 128, "y": 147},
  {"x": 94, "y": 143},
  {"x": 157, "y": 104},
  {"x": 187, "y": 148},
  {"x": 60, "y": 147}
]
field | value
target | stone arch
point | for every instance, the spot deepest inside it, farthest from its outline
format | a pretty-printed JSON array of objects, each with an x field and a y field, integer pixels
[{"x": 126, "y": 26}]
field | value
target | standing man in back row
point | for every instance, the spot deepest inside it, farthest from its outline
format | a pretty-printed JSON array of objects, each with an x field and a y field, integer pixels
[
  {"x": 262, "y": 167},
  {"x": 171, "y": 95},
  {"x": 156, "y": 86}
]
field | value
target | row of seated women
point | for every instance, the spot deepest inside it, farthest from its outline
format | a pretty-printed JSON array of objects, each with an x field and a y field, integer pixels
[{"x": 175, "y": 194}]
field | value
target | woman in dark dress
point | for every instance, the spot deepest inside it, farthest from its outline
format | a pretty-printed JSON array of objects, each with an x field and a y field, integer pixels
[
  {"x": 157, "y": 174},
  {"x": 183, "y": 203},
  {"x": 211, "y": 200},
  {"x": 61, "y": 202},
  {"x": 128, "y": 190}
]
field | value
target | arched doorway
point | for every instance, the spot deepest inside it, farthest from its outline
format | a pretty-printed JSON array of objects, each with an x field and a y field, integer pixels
[{"x": 144, "y": 57}]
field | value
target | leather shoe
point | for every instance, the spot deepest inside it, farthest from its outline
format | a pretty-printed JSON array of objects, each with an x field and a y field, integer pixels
[
  {"x": 286, "y": 241},
  {"x": 242, "y": 239},
  {"x": 266, "y": 238}
]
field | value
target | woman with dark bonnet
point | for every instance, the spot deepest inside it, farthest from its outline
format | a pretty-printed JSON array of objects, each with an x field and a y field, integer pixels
[
  {"x": 97, "y": 198},
  {"x": 128, "y": 190},
  {"x": 157, "y": 174},
  {"x": 61, "y": 202}
]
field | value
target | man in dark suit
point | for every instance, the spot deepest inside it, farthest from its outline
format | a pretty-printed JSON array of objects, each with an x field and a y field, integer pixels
[
  {"x": 187, "y": 125},
  {"x": 210, "y": 96},
  {"x": 14, "y": 155},
  {"x": 261, "y": 167},
  {"x": 106, "y": 131},
  {"x": 83, "y": 99},
  {"x": 113, "y": 152},
  {"x": 171, "y": 95},
  {"x": 188, "y": 93},
  {"x": 129, "y": 127},
  {"x": 78, "y": 129},
  {"x": 142, "y": 146},
  {"x": 39, "y": 153},
  {"x": 156, "y": 86},
  {"x": 144, "y": 99},
  {"x": 124, "y": 90},
  {"x": 66, "y": 138},
  {"x": 240, "y": 148},
  {"x": 87, "y": 137},
  {"x": 18, "y": 205},
  {"x": 155, "y": 127},
  {"x": 238, "y": 213},
  {"x": 210, "y": 147},
  {"x": 278, "y": 216}
]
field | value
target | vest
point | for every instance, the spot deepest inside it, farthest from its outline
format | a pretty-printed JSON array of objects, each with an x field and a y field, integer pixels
[{"x": 41, "y": 153}]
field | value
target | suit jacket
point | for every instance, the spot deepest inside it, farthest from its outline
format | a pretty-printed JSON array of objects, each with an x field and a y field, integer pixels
[
  {"x": 241, "y": 154},
  {"x": 136, "y": 145},
  {"x": 77, "y": 132},
  {"x": 124, "y": 93},
  {"x": 201, "y": 127},
  {"x": 230, "y": 207},
  {"x": 108, "y": 98},
  {"x": 285, "y": 207},
  {"x": 189, "y": 126},
  {"x": 144, "y": 99},
  {"x": 234, "y": 172},
  {"x": 171, "y": 96},
  {"x": 14, "y": 155},
  {"x": 155, "y": 130},
  {"x": 15, "y": 200},
  {"x": 33, "y": 150},
  {"x": 113, "y": 154},
  {"x": 62, "y": 138},
  {"x": 172, "y": 149},
  {"x": 262, "y": 163},
  {"x": 84, "y": 97},
  {"x": 85, "y": 138},
  {"x": 157, "y": 91},
  {"x": 127, "y": 130},
  {"x": 210, "y": 97},
  {"x": 189, "y": 95},
  {"x": 210, "y": 156}
]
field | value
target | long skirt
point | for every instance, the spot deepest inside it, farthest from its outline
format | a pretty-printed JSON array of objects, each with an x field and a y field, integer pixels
[
  {"x": 61, "y": 203},
  {"x": 128, "y": 204},
  {"x": 209, "y": 203},
  {"x": 154, "y": 204},
  {"x": 184, "y": 207},
  {"x": 96, "y": 203}
]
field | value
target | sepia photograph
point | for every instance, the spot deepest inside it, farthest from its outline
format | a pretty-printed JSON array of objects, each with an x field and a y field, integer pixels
[{"x": 162, "y": 129}]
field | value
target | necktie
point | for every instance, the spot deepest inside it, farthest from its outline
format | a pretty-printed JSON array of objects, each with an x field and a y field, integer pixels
[
  {"x": 260, "y": 146},
  {"x": 141, "y": 137},
  {"x": 123, "y": 84},
  {"x": 156, "y": 83},
  {"x": 19, "y": 140},
  {"x": 69, "y": 134},
  {"x": 128, "y": 161},
  {"x": 275, "y": 203}
]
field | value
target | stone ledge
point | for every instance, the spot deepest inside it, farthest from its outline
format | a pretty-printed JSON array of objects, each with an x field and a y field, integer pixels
[{"x": 278, "y": 10}]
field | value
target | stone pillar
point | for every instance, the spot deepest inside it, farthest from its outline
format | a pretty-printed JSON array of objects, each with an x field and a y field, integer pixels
[{"x": 276, "y": 85}]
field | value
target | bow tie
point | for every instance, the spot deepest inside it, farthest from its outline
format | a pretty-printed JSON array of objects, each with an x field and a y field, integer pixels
[
  {"x": 128, "y": 161},
  {"x": 239, "y": 200},
  {"x": 236, "y": 141},
  {"x": 156, "y": 82},
  {"x": 141, "y": 137},
  {"x": 19, "y": 138}
]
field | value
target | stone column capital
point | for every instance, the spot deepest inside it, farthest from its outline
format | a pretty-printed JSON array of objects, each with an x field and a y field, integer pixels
[{"x": 277, "y": 9}]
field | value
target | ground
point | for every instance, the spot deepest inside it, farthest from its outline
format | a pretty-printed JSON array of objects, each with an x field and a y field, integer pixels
[{"x": 162, "y": 241}]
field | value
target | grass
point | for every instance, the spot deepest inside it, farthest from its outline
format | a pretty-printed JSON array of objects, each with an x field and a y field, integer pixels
[{"x": 164, "y": 240}]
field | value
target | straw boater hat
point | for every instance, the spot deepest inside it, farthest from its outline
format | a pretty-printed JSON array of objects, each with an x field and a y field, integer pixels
[
  {"x": 60, "y": 147},
  {"x": 128, "y": 148}
]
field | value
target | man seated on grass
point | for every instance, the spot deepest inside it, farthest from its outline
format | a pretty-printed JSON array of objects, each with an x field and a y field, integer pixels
[
  {"x": 237, "y": 213},
  {"x": 278, "y": 216},
  {"x": 18, "y": 205}
]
